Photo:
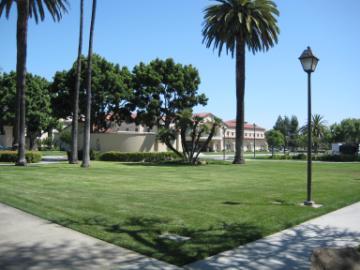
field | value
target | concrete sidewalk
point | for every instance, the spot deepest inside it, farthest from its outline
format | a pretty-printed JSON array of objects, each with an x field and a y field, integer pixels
[
  {"x": 292, "y": 248},
  {"x": 28, "y": 242}
]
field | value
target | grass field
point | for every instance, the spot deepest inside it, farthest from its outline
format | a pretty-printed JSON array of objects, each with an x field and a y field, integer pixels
[
  {"x": 218, "y": 206},
  {"x": 53, "y": 153}
]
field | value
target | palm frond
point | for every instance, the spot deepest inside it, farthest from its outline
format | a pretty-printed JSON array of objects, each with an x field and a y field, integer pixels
[
  {"x": 37, "y": 8},
  {"x": 252, "y": 21}
]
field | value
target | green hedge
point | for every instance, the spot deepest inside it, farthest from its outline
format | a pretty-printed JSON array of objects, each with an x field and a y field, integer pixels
[
  {"x": 137, "y": 157},
  {"x": 80, "y": 155},
  {"x": 11, "y": 156},
  {"x": 333, "y": 158}
]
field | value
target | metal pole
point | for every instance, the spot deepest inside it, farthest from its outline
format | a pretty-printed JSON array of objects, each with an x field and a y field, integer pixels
[
  {"x": 309, "y": 146},
  {"x": 254, "y": 141},
  {"x": 224, "y": 150}
]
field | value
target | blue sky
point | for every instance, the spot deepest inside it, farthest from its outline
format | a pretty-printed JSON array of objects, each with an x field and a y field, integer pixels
[{"x": 128, "y": 32}]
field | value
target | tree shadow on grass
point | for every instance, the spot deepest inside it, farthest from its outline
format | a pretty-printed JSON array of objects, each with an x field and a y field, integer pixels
[
  {"x": 158, "y": 164},
  {"x": 146, "y": 233}
]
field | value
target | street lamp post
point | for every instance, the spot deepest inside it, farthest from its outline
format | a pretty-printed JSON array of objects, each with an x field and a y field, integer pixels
[
  {"x": 224, "y": 150},
  {"x": 309, "y": 62},
  {"x": 254, "y": 141}
]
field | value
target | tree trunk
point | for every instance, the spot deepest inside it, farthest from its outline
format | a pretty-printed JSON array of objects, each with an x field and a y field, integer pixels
[
  {"x": 86, "y": 146},
  {"x": 21, "y": 40},
  {"x": 75, "y": 123},
  {"x": 15, "y": 144},
  {"x": 240, "y": 99}
]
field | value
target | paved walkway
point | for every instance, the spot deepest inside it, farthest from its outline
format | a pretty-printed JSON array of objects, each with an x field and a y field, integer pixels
[
  {"x": 28, "y": 242},
  {"x": 291, "y": 249}
]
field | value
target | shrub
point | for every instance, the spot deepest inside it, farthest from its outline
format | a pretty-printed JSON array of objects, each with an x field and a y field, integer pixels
[
  {"x": 349, "y": 149},
  {"x": 301, "y": 156},
  {"x": 338, "y": 158},
  {"x": 137, "y": 157},
  {"x": 330, "y": 158},
  {"x": 11, "y": 156},
  {"x": 80, "y": 154}
]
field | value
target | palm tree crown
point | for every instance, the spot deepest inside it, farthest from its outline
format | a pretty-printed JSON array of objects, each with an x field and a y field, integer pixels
[
  {"x": 251, "y": 21},
  {"x": 56, "y": 8}
]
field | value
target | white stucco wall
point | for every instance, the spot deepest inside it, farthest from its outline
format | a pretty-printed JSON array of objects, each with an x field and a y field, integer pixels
[
  {"x": 6, "y": 139},
  {"x": 125, "y": 142}
]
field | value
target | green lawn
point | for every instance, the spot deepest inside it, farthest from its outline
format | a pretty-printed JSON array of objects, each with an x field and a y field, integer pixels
[
  {"x": 53, "y": 153},
  {"x": 218, "y": 206}
]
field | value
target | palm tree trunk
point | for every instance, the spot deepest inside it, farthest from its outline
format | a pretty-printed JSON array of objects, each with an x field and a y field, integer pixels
[
  {"x": 240, "y": 99},
  {"x": 15, "y": 144},
  {"x": 21, "y": 40},
  {"x": 75, "y": 123},
  {"x": 86, "y": 146}
]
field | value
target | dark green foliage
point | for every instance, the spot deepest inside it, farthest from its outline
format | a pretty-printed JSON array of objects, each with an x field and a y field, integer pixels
[
  {"x": 274, "y": 139},
  {"x": 93, "y": 155},
  {"x": 318, "y": 131},
  {"x": 111, "y": 92},
  {"x": 38, "y": 112},
  {"x": 349, "y": 149},
  {"x": 254, "y": 22},
  {"x": 137, "y": 157},
  {"x": 289, "y": 128},
  {"x": 347, "y": 131},
  {"x": 163, "y": 90},
  {"x": 11, "y": 156},
  {"x": 37, "y": 8},
  {"x": 330, "y": 158}
]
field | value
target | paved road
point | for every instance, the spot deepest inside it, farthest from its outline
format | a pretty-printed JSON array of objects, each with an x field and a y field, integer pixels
[
  {"x": 292, "y": 248},
  {"x": 28, "y": 242}
]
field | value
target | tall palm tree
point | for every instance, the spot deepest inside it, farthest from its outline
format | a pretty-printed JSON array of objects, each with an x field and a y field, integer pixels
[
  {"x": 318, "y": 130},
  {"x": 237, "y": 24},
  {"x": 75, "y": 125},
  {"x": 86, "y": 147},
  {"x": 26, "y": 9}
]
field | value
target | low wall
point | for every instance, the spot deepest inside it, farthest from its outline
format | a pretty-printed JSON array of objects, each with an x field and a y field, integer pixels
[
  {"x": 6, "y": 139},
  {"x": 124, "y": 142}
]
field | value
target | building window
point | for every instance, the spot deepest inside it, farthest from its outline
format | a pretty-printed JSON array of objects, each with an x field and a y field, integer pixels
[
  {"x": 257, "y": 135},
  {"x": 127, "y": 129},
  {"x": 137, "y": 129}
]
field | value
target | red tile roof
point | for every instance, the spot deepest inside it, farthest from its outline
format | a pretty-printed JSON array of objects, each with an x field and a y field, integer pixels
[{"x": 232, "y": 124}]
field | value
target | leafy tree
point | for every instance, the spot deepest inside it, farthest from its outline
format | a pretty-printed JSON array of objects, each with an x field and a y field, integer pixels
[
  {"x": 293, "y": 133},
  {"x": 86, "y": 147},
  {"x": 111, "y": 93},
  {"x": 195, "y": 128},
  {"x": 236, "y": 24},
  {"x": 283, "y": 125},
  {"x": 274, "y": 139},
  {"x": 347, "y": 131},
  {"x": 38, "y": 115},
  {"x": 163, "y": 90},
  {"x": 26, "y": 9},
  {"x": 73, "y": 158}
]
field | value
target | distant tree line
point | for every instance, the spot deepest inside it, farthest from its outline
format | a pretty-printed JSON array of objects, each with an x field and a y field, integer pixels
[
  {"x": 287, "y": 135},
  {"x": 158, "y": 92}
]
